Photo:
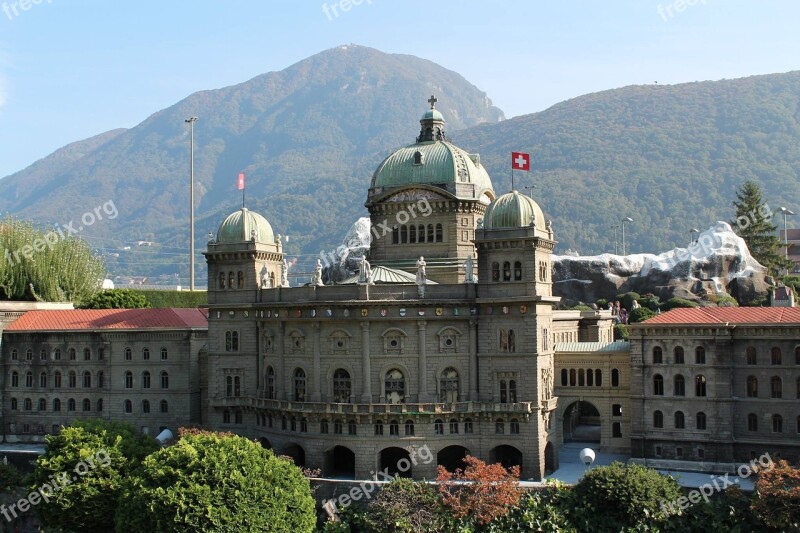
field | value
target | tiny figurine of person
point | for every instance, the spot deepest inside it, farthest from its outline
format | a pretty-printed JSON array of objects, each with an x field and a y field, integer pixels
[
  {"x": 422, "y": 277},
  {"x": 469, "y": 270},
  {"x": 316, "y": 279},
  {"x": 284, "y": 274},
  {"x": 365, "y": 272}
]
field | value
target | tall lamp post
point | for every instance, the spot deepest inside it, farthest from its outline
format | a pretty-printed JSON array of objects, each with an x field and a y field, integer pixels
[
  {"x": 616, "y": 227},
  {"x": 786, "y": 212},
  {"x": 624, "y": 220},
  {"x": 691, "y": 235},
  {"x": 191, "y": 121},
  {"x": 529, "y": 190}
]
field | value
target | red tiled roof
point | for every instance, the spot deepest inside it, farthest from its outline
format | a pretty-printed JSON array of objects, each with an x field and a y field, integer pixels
[
  {"x": 99, "y": 319},
  {"x": 732, "y": 315}
]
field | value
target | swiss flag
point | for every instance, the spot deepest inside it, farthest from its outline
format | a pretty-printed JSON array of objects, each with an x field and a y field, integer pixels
[
  {"x": 520, "y": 161},
  {"x": 241, "y": 181}
]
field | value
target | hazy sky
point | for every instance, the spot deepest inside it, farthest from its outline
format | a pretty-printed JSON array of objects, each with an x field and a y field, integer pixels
[{"x": 70, "y": 69}]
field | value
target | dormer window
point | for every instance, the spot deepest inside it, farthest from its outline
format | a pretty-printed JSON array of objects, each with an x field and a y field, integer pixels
[{"x": 418, "y": 159}]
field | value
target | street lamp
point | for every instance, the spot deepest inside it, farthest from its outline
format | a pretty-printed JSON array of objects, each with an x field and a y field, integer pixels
[
  {"x": 624, "y": 220},
  {"x": 191, "y": 121},
  {"x": 786, "y": 212},
  {"x": 616, "y": 227},
  {"x": 691, "y": 233},
  {"x": 529, "y": 189}
]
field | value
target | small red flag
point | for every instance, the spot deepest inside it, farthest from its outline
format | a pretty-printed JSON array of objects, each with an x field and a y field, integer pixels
[
  {"x": 241, "y": 181},
  {"x": 520, "y": 161}
]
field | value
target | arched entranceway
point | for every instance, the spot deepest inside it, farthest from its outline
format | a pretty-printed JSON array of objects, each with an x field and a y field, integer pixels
[
  {"x": 395, "y": 462},
  {"x": 297, "y": 453},
  {"x": 340, "y": 463},
  {"x": 452, "y": 457},
  {"x": 506, "y": 455},
  {"x": 265, "y": 443},
  {"x": 581, "y": 422},
  {"x": 549, "y": 459}
]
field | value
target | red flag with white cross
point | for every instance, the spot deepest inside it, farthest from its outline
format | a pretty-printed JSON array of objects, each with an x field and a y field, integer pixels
[
  {"x": 241, "y": 181},
  {"x": 520, "y": 161}
]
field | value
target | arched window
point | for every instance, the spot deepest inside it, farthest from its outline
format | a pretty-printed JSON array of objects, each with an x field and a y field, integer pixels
[
  {"x": 658, "y": 385},
  {"x": 145, "y": 379},
  {"x": 431, "y": 237},
  {"x": 438, "y": 426},
  {"x": 495, "y": 271},
  {"x": 379, "y": 427},
  {"x": 42, "y": 355},
  {"x": 352, "y": 427},
  {"x": 658, "y": 419},
  {"x": 29, "y": 379},
  {"x": 679, "y": 386},
  {"x": 165, "y": 381},
  {"x": 573, "y": 377},
  {"x": 73, "y": 379},
  {"x": 776, "y": 387},
  {"x": 412, "y": 234},
  {"x": 700, "y": 420},
  {"x": 72, "y": 354},
  {"x": 57, "y": 354},
  {"x": 271, "y": 394},
  {"x": 299, "y": 385},
  {"x": 775, "y": 356},
  {"x": 87, "y": 405},
  {"x": 15, "y": 379},
  {"x": 146, "y": 354},
  {"x": 439, "y": 233},
  {"x": 100, "y": 380},
  {"x": 403, "y": 234},
  {"x": 56, "y": 405},
  {"x": 499, "y": 426},
  {"x": 678, "y": 353},
  {"x": 14, "y": 355},
  {"x": 751, "y": 355},
  {"x": 42, "y": 404},
  {"x": 128, "y": 380},
  {"x": 100, "y": 405},
  {"x": 777, "y": 424},
  {"x": 409, "y": 428},
  {"x": 598, "y": 378},
  {"x": 517, "y": 271},
  {"x": 240, "y": 280},
  {"x": 700, "y": 385},
  {"x": 239, "y": 418},
  {"x": 614, "y": 377},
  {"x": 164, "y": 406},
  {"x": 87, "y": 354},
  {"x": 72, "y": 405},
  {"x": 752, "y": 422},
  {"x": 514, "y": 426},
  {"x": 506, "y": 271},
  {"x": 226, "y": 417},
  {"x": 323, "y": 426},
  {"x": 164, "y": 354},
  {"x": 453, "y": 426},
  {"x": 29, "y": 355},
  {"x": 468, "y": 425},
  {"x": 658, "y": 356},
  {"x": 700, "y": 355},
  {"x": 128, "y": 406},
  {"x": 222, "y": 280},
  {"x": 448, "y": 386},
  {"x": 395, "y": 386},
  {"x": 342, "y": 386},
  {"x": 394, "y": 428},
  {"x": 128, "y": 354},
  {"x": 338, "y": 426},
  {"x": 421, "y": 233},
  {"x": 417, "y": 157},
  {"x": 395, "y": 235},
  {"x": 87, "y": 380},
  {"x": 752, "y": 387},
  {"x": 589, "y": 377},
  {"x": 564, "y": 377},
  {"x": 57, "y": 380},
  {"x": 581, "y": 377},
  {"x": 680, "y": 422}
]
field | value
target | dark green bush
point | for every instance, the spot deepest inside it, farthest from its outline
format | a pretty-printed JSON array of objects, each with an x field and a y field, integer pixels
[
  {"x": 640, "y": 315},
  {"x": 183, "y": 299},
  {"x": 116, "y": 299},
  {"x": 674, "y": 303}
]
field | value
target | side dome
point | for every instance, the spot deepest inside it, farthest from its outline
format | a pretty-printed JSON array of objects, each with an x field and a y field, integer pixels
[
  {"x": 244, "y": 225},
  {"x": 514, "y": 210}
]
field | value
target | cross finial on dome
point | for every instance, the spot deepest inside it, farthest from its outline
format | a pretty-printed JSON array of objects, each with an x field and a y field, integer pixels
[{"x": 432, "y": 100}]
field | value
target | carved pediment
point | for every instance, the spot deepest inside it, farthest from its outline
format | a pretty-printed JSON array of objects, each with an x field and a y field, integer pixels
[{"x": 412, "y": 195}]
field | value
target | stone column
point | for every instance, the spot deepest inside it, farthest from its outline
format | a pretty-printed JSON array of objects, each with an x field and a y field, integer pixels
[
  {"x": 316, "y": 396},
  {"x": 423, "y": 365},
  {"x": 473, "y": 361},
  {"x": 366, "y": 382},
  {"x": 280, "y": 377}
]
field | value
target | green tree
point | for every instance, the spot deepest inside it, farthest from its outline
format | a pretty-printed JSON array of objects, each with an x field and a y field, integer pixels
[
  {"x": 88, "y": 460},
  {"x": 640, "y": 314},
  {"x": 216, "y": 482},
  {"x": 619, "y": 496},
  {"x": 405, "y": 506},
  {"x": 777, "y": 497},
  {"x": 753, "y": 223},
  {"x": 116, "y": 299},
  {"x": 40, "y": 265}
]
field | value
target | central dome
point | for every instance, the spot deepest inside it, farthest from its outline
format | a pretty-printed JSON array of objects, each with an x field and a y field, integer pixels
[{"x": 244, "y": 225}]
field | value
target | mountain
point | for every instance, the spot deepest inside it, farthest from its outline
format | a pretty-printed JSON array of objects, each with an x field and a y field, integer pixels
[
  {"x": 307, "y": 137},
  {"x": 310, "y": 136},
  {"x": 670, "y": 157}
]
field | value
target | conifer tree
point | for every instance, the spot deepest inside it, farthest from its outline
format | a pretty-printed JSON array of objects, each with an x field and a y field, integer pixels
[{"x": 753, "y": 223}]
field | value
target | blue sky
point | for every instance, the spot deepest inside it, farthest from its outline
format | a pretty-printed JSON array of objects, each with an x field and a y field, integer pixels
[{"x": 70, "y": 69}]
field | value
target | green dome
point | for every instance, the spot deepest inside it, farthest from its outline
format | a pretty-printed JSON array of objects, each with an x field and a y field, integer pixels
[
  {"x": 433, "y": 163},
  {"x": 240, "y": 225},
  {"x": 432, "y": 114},
  {"x": 514, "y": 210}
]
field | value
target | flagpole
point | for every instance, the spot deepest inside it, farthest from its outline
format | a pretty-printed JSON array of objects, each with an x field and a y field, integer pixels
[{"x": 512, "y": 177}]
